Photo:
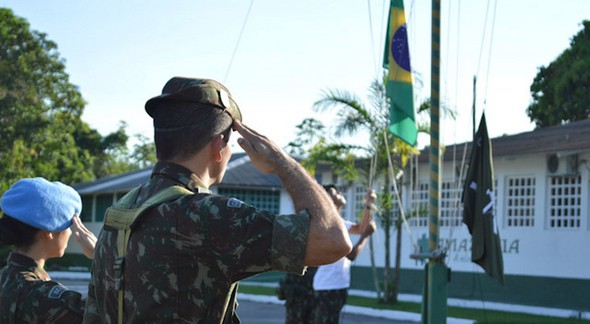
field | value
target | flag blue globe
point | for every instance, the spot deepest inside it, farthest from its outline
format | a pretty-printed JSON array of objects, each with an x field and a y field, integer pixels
[{"x": 399, "y": 48}]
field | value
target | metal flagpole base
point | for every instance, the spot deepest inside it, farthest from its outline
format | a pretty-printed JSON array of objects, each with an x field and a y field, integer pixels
[{"x": 434, "y": 303}]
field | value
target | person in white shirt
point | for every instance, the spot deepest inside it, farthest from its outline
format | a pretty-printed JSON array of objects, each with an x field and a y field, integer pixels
[{"x": 331, "y": 281}]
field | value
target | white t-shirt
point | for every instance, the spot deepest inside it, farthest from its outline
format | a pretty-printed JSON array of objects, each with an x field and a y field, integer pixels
[{"x": 335, "y": 275}]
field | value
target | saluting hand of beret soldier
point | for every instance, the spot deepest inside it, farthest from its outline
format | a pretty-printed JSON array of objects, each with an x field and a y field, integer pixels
[
  {"x": 83, "y": 236},
  {"x": 263, "y": 152}
]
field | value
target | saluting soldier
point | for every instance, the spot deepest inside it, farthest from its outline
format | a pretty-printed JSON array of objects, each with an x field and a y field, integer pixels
[
  {"x": 37, "y": 215},
  {"x": 181, "y": 257}
]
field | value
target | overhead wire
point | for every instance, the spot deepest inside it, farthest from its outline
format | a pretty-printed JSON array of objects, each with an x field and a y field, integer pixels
[
  {"x": 486, "y": 85},
  {"x": 456, "y": 184},
  {"x": 451, "y": 213},
  {"x": 396, "y": 192},
  {"x": 483, "y": 39},
  {"x": 238, "y": 42},
  {"x": 458, "y": 50},
  {"x": 490, "y": 54},
  {"x": 373, "y": 165},
  {"x": 376, "y": 66}
]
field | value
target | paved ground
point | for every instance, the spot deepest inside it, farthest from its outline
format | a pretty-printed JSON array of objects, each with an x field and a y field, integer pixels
[
  {"x": 255, "y": 309},
  {"x": 251, "y": 312}
]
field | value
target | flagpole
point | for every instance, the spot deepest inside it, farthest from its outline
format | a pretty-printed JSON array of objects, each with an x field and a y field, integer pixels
[
  {"x": 434, "y": 306},
  {"x": 434, "y": 157}
]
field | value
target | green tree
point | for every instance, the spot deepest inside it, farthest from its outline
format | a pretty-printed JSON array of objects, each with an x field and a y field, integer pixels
[
  {"x": 362, "y": 163},
  {"x": 42, "y": 130},
  {"x": 561, "y": 91}
]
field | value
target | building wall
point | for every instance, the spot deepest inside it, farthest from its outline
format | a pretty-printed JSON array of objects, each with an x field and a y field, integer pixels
[
  {"x": 547, "y": 292},
  {"x": 544, "y": 264},
  {"x": 537, "y": 249}
]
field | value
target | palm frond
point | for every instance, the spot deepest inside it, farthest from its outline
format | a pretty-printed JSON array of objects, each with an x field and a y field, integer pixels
[{"x": 352, "y": 114}]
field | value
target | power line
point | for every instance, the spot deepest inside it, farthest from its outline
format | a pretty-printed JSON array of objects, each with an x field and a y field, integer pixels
[
  {"x": 485, "y": 97},
  {"x": 376, "y": 65},
  {"x": 483, "y": 38},
  {"x": 237, "y": 43}
]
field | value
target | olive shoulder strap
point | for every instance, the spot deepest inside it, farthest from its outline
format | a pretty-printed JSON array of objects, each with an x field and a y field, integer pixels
[{"x": 120, "y": 216}]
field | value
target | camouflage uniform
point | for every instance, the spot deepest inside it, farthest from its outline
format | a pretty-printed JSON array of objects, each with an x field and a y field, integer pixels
[
  {"x": 185, "y": 257},
  {"x": 299, "y": 297},
  {"x": 27, "y": 295},
  {"x": 329, "y": 304}
]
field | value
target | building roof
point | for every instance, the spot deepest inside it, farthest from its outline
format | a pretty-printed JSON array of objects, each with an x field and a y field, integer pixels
[
  {"x": 239, "y": 173},
  {"x": 569, "y": 138},
  {"x": 242, "y": 173}
]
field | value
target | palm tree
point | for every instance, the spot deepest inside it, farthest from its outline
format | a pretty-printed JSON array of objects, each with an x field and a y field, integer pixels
[{"x": 353, "y": 117}]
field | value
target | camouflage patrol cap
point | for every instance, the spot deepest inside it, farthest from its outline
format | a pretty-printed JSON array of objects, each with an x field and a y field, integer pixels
[{"x": 200, "y": 91}]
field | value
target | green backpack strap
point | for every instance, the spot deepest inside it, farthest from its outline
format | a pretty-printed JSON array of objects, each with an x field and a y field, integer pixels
[{"x": 121, "y": 217}]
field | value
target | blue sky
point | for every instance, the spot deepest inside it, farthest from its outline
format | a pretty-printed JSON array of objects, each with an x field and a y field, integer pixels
[{"x": 120, "y": 53}]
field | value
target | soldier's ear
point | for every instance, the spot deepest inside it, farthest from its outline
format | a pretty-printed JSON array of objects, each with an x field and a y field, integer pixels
[
  {"x": 217, "y": 145},
  {"x": 45, "y": 235}
]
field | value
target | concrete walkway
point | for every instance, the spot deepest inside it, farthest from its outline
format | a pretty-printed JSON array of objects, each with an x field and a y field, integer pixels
[
  {"x": 268, "y": 309},
  {"x": 275, "y": 309}
]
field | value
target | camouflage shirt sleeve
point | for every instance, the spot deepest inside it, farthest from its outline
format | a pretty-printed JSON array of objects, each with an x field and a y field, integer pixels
[
  {"x": 50, "y": 302},
  {"x": 27, "y": 298},
  {"x": 289, "y": 242},
  {"x": 248, "y": 241}
]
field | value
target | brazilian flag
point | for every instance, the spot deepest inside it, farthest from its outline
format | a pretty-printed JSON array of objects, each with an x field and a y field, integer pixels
[
  {"x": 399, "y": 84},
  {"x": 478, "y": 206}
]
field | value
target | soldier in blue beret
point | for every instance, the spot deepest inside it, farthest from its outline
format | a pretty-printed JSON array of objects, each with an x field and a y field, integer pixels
[
  {"x": 180, "y": 261},
  {"x": 38, "y": 218}
]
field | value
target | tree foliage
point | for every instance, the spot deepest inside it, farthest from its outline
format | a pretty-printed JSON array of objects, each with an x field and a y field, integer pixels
[
  {"x": 42, "y": 130},
  {"x": 561, "y": 91}
]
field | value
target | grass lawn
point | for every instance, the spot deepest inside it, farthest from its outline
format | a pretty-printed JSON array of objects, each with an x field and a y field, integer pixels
[{"x": 479, "y": 315}]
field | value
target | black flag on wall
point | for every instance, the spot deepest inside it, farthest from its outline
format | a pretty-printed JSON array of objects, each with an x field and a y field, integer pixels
[{"x": 478, "y": 206}]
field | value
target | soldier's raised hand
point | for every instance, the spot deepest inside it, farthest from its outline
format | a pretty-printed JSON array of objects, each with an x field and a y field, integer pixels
[
  {"x": 83, "y": 236},
  {"x": 264, "y": 153}
]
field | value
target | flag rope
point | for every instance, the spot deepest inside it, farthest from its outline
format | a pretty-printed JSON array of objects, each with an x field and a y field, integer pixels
[
  {"x": 456, "y": 199},
  {"x": 396, "y": 191}
]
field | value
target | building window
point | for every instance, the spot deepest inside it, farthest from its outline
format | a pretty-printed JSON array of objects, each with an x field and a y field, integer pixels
[
  {"x": 520, "y": 202},
  {"x": 419, "y": 205},
  {"x": 268, "y": 200},
  {"x": 103, "y": 201},
  {"x": 565, "y": 200},
  {"x": 451, "y": 208}
]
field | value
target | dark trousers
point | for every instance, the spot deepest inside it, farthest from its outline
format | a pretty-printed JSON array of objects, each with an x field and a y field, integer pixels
[
  {"x": 300, "y": 310},
  {"x": 329, "y": 304}
]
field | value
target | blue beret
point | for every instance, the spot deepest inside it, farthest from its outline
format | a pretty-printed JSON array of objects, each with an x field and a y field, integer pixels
[{"x": 42, "y": 204}]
